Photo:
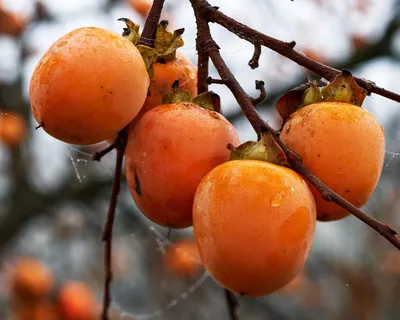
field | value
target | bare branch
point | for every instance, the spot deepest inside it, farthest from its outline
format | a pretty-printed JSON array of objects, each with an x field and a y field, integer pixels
[{"x": 285, "y": 49}]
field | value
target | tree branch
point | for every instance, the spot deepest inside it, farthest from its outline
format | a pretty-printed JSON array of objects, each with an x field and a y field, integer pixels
[
  {"x": 286, "y": 49},
  {"x": 260, "y": 126}
]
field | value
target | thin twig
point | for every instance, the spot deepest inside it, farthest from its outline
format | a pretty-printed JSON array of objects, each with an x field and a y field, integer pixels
[
  {"x": 253, "y": 63},
  {"x": 108, "y": 227},
  {"x": 150, "y": 27},
  {"x": 99, "y": 155},
  {"x": 260, "y": 85},
  {"x": 232, "y": 304},
  {"x": 285, "y": 49},
  {"x": 294, "y": 160},
  {"x": 211, "y": 80}
]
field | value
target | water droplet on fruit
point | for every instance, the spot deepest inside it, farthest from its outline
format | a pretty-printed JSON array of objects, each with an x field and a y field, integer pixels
[{"x": 277, "y": 199}]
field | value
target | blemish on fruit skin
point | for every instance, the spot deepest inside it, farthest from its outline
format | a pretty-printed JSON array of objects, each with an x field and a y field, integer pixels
[
  {"x": 138, "y": 187},
  {"x": 277, "y": 199}
]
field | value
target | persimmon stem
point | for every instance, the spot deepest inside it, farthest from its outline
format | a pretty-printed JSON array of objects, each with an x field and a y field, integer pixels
[
  {"x": 211, "y": 14},
  {"x": 286, "y": 49},
  {"x": 150, "y": 27},
  {"x": 108, "y": 227}
]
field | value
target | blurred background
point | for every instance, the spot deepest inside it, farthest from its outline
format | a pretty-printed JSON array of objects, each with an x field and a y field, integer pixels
[{"x": 53, "y": 198}]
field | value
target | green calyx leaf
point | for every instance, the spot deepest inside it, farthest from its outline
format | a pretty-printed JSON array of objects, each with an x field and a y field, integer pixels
[
  {"x": 344, "y": 89},
  {"x": 177, "y": 94},
  {"x": 167, "y": 42},
  {"x": 312, "y": 94},
  {"x": 209, "y": 100},
  {"x": 150, "y": 56},
  {"x": 265, "y": 149},
  {"x": 131, "y": 31}
]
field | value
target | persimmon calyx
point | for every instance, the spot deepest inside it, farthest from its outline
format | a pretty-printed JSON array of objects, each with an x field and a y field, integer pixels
[
  {"x": 208, "y": 100},
  {"x": 344, "y": 89},
  {"x": 265, "y": 149},
  {"x": 177, "y": 94},
  {"x": 131, "y": 31},
  {"x": 167, "y": 42}
]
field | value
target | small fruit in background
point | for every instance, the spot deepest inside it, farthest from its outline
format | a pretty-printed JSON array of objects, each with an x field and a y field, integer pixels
[
  {"x": 13, "y": 129},
  {"x": 254, "y": 224},
  {"x": 77, "y": 301},
  {"x": 88, "y": 86},
  {"x": 10, "y": 23},
  {"x": 141, "y": 6},
  {"x": 169, "y": 151},
  {"x": 30, "y": 279},
  {"x": 182, "y": 258}
]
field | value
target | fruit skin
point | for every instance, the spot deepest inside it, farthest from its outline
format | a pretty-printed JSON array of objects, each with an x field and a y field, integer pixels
[
  {"x": 30, "y": 279},
  {"x": 13, "y": 130},
  {"x": 254, "y": 224},
  {"x": 182, "y": 258},
  {"x": 77, "y": 302},
  {"x": 169, "y": 151},
  {"x": 88, "y": 86},
  {"x": 164, "y": 75},
  {"x": 343, "y": 145}
]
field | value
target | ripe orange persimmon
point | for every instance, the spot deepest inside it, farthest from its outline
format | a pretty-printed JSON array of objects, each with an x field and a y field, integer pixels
[
  {"x": 343, "y": 145},
  {"x": 254, "y": 224},
  {"x": 169, "y": 151},
  {"x": 77, "y": 302},
  {"x": 30, "y": 278},
  {"x": 42, "y": 310},
  {"x": 88, "y": 86},
  {"x": 182, "y": 258},
  {"x": 12, "y": 129},
  {"x": 164, "y": 75}
]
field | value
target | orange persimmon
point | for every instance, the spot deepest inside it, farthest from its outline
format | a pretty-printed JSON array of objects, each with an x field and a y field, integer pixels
[
  {"x": 77, "y": 302},
  {"x": 182, "y": 258},
  {"x": 169, "y": 151},
  {"x": 30, "y": 278},
  {"x": 13, "y": 130},
  {"x": 343, "y": 145},
  {"x": 88, "y": 86},
  {"x": 254, "y": 224},
  {"x": 141, "y": 6}
]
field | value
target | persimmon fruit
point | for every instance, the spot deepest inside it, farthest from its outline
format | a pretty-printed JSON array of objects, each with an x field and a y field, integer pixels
[
  {"x": 343, "y": 145},
  {"x": 164, "y": 75},
  {"x": 182, "y": 258},
  {"x": 88, "y": 86},
  {"x": 254, "y": 224},
  {"x": 169, "y": 151},
  {"x": 30, "y": 279},
  {"x": 77, "y": 302},
  {"x": 13, "y": 130}
]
